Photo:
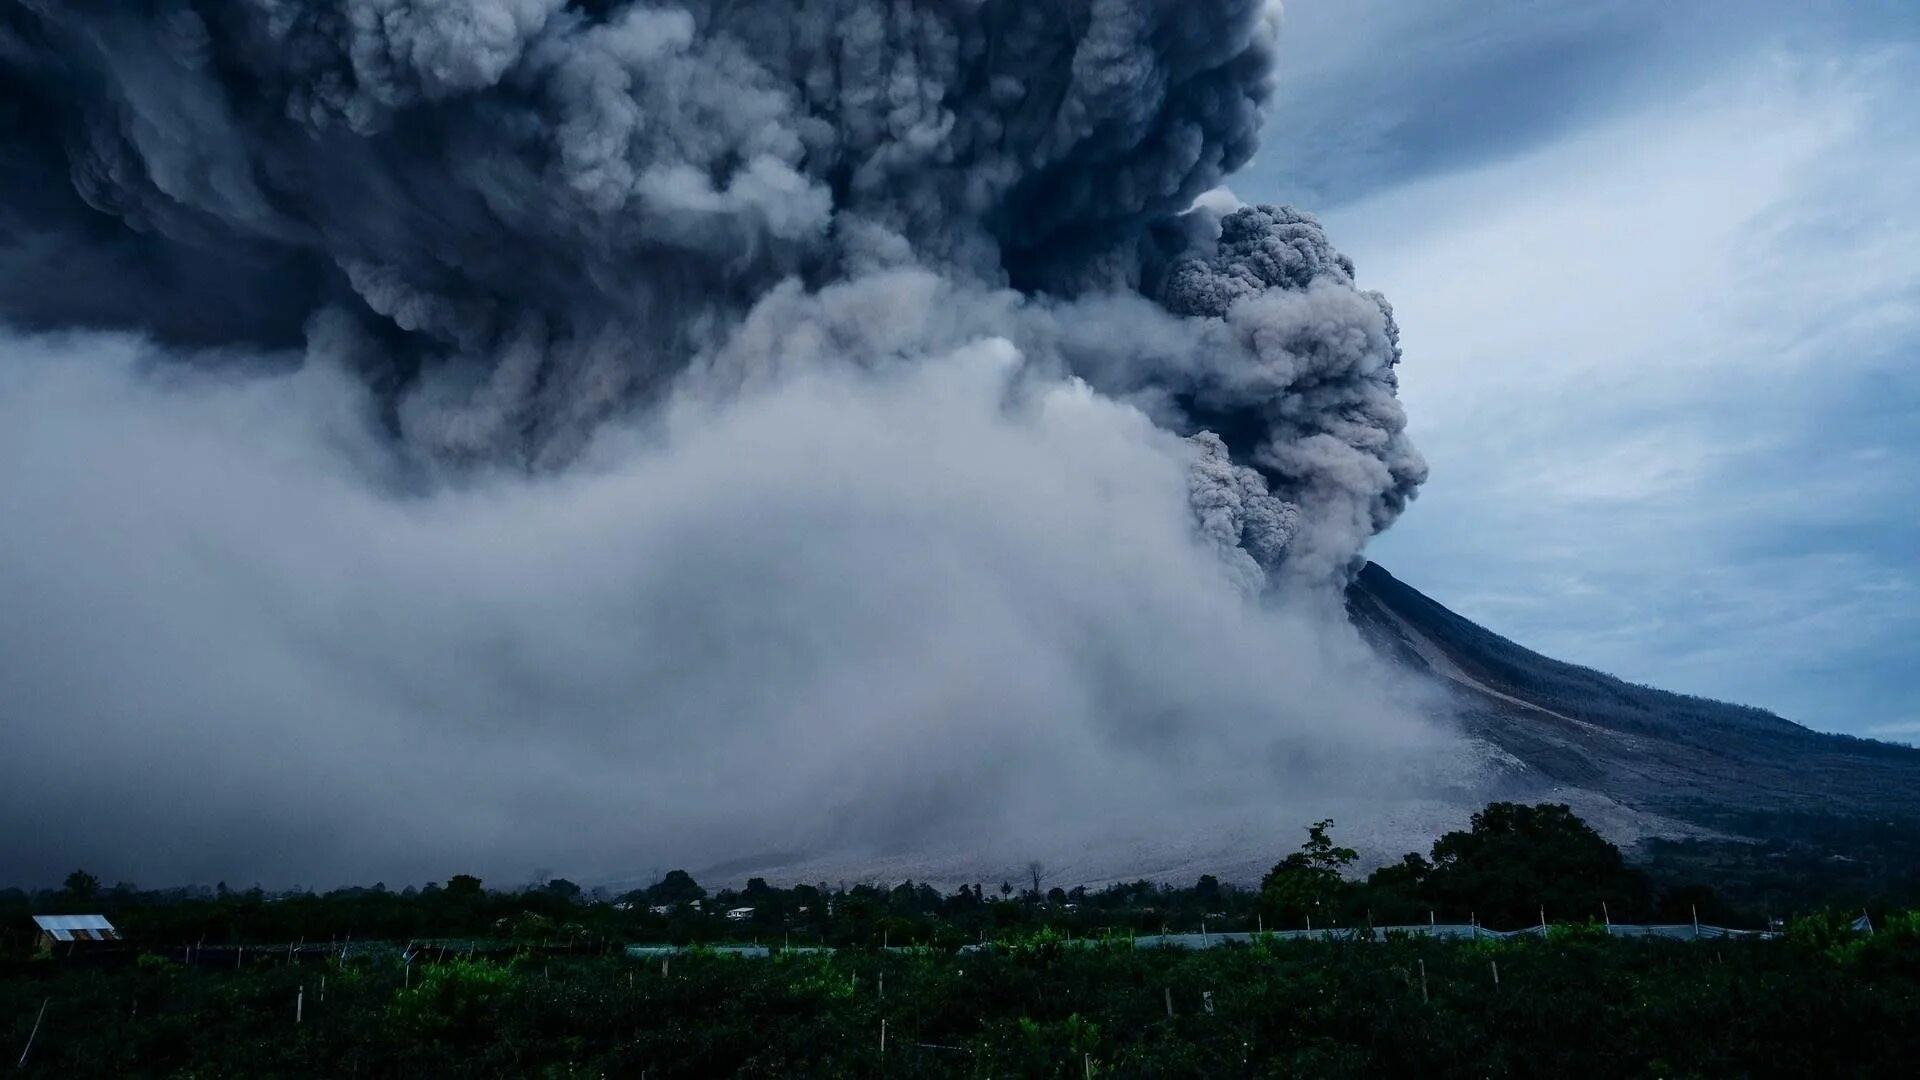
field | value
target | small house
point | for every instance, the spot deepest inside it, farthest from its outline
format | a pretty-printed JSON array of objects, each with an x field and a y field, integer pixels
[{"x": 70, "y": 929}]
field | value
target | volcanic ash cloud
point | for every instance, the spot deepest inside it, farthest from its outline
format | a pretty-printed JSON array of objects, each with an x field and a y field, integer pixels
[{"x": 630, "y": 415}]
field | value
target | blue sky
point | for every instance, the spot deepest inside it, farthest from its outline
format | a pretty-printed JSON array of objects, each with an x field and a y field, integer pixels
[{"x": 1658, "y": 270}]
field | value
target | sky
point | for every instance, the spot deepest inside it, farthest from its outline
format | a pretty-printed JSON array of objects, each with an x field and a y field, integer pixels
[{"x": 1657, "y": 268}]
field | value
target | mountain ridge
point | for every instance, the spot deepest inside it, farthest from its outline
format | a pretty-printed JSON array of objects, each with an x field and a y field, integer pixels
[{"x": 1694, "y": 760}]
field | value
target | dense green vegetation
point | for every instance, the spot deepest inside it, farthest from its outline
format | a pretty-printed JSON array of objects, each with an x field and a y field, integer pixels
[
  {"x": 1575, "y": 1004},
  {"x": 536, "y": 981}
]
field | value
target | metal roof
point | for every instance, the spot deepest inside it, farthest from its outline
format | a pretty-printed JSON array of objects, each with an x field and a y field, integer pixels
[{"x": 77, "y": 927}]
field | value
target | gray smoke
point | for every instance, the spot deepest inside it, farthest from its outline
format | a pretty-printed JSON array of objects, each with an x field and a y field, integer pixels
[
  {"x": 521, "y": 217},
  {"x": 550, "y": 239}
]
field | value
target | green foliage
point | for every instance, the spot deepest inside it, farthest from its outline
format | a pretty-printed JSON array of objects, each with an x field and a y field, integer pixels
[
  {"x": 1514, "y": 862},
  {"x": 1829, "y": 933},
  {"x": 1577, "y": 933},
  {"x": 1309, "y": 883},
  {"x": 459, "y": 1000},
  {"x": 151, "y": 964},
  {"x": 1575, "y": 1004}
]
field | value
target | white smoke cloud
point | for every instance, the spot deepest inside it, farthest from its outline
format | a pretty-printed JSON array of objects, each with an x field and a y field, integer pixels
[
  {"x": 939, "y": 609},
  {"x": 467, "y": 435}
]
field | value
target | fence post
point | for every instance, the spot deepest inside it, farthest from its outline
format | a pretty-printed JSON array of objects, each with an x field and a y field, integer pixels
[
  {"x": 883, "y": 1038},
  {"x": 1424, "y": 999},
  {"x": 300, "y": 1004},
  {"x": 35, "y": 1032},
  {"x": 1169, "y": 994},
  {"x": 1495, "y": 964}
]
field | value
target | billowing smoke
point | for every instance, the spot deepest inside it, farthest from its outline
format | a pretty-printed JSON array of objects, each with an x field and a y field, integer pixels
[{"x": 899, "y": 332}]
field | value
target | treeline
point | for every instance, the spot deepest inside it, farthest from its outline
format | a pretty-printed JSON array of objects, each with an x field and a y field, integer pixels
[{"x": 1514, "y": 865}]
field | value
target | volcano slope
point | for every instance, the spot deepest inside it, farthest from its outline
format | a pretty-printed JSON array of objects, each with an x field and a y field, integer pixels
[{"x": 1702, "y": 765}]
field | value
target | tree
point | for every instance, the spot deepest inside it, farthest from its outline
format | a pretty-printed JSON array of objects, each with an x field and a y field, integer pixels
[
  {"x": 1515, "y": 860},
  {"x": 81, "y": 887},
  {"x": 678, "y": 887},
  {"x": 463, "y": 885},
  {"x": 564, "y": 889},
  {"x": 1207, "y": 890},
  {"x": 1037, "y": 873},
  {"x": 1310, "y": 881}
]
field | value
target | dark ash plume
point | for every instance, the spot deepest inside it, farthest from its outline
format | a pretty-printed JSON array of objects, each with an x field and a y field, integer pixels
[{"x": 518, "y": 218}]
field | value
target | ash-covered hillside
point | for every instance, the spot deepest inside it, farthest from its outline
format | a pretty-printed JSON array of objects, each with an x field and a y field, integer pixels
[{"x": 1732, "y": 769}]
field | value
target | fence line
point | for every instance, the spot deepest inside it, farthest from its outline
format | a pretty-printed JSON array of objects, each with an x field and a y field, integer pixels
[{"x": 1209, "y": 940}]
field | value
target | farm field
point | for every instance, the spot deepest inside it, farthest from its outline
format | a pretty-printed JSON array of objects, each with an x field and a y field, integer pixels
[{"x": 1820, "y": 1002}]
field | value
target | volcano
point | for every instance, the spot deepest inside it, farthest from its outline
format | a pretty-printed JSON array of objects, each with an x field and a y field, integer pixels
[{"x": 1662, "y": 763}]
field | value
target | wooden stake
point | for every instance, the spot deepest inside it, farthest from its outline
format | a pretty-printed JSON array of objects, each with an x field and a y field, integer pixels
[
  {"x": 883, "y": 1038},
  {"x": 36, "y": 1031},
  {"x": 1424, "y": 999},
  {"x": 300, "y": 1004},
  {"x": 1169, "y": 992},
  {"x": 1495, "y": 964}
]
